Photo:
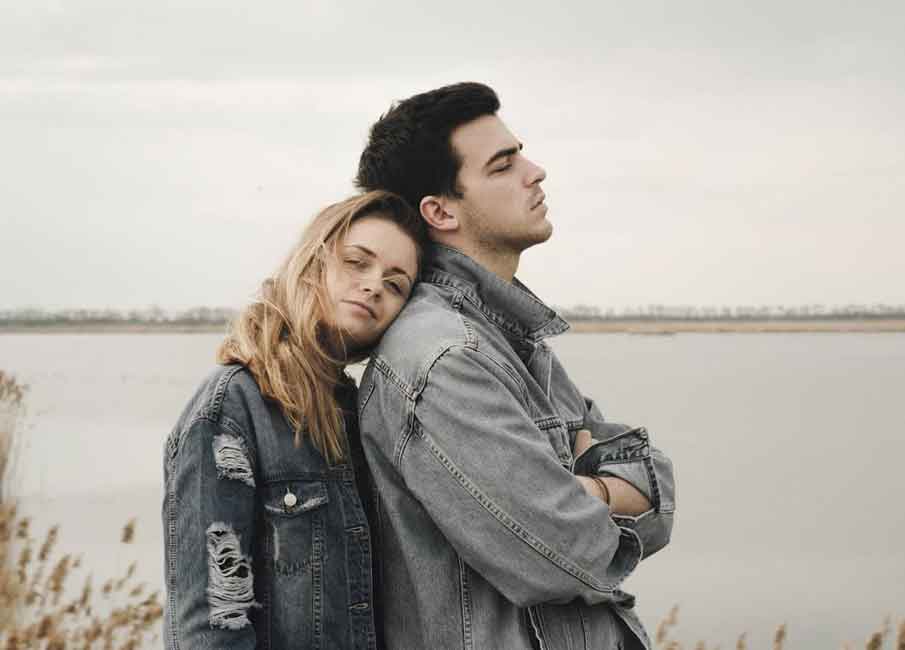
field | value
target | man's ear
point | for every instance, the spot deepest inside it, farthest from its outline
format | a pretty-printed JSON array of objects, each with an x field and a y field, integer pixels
[{"x": 434, "y": 211}]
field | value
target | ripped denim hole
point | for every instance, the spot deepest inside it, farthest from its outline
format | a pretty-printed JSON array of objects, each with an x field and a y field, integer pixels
[
  {"x": 230, "y": 589},
  {"x": 231, "y": 459}
]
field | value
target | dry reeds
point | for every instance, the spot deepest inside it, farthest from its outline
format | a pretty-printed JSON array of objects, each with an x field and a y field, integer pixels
[
  {"x": 662, "y": 636},
  {"x": 12, "y": 399},
  {"x": 35, "y": 611},
  {"x": 874, "y": 642},
  {"x": 779, "y": 638}
]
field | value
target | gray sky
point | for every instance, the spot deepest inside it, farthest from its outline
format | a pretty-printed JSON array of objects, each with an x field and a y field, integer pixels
[{"x": 697, "y": 152}]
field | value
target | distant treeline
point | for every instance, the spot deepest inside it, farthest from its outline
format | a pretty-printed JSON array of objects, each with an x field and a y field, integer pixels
[
  {"x": 734, "y": 313},
  {"x": 149, "y": 316},
  {"x": 211, "y": 316}
]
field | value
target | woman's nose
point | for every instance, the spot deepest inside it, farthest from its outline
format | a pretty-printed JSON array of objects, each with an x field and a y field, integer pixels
[{"x": 371, "y": 284}]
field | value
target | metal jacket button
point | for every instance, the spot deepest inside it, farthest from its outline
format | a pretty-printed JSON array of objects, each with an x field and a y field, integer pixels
[{"x": 289, "y": 499}]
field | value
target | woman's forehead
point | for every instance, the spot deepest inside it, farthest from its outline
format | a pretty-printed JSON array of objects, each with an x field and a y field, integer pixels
[{"x": 377, "y": 236}]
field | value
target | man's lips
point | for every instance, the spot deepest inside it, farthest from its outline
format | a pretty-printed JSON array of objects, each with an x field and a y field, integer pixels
[
  {"x": 539, "y": 200},
  {"x": 362, "y": 306}
]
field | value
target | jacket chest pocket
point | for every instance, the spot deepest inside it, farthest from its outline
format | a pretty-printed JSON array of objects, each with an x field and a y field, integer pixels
[
  {"x": 558, "y": 435},
  {"x": 296, "y": 512}
]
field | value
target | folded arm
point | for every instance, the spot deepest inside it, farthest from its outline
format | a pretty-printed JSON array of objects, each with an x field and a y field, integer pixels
[
  {"x": 624, "y": 455},
  {"x": 622, "y": 497},
  {"x": 486, "y": 475}
]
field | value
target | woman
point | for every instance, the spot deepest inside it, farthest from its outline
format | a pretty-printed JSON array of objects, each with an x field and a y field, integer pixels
[{"x": 266, "y": 540}]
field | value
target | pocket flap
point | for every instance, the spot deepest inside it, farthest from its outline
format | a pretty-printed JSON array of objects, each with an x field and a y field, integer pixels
[
  {"x": 558, "y": 435},
  {"x": 289, "y": 498}
]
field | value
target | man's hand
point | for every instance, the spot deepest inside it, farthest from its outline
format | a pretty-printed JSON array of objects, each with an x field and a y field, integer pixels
[
  {"x": 583, "y": 440},
  {"x": 624, "y": 498}
]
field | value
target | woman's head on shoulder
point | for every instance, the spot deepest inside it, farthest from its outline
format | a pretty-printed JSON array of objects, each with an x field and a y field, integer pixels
[
  {"x": 370, "y": 267},
  {"x": 328, "y": 304}
]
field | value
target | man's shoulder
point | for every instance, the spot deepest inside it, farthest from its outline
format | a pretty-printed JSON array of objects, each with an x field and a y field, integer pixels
[{"x": 426, "y": 327}]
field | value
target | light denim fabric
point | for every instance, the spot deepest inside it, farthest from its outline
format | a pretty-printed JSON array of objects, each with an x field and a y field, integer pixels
[
  {"x": 266, "y": 545},
  {"x": 485, "y": 539}
]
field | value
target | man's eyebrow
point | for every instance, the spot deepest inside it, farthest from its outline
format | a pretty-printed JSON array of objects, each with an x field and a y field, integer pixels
[
  {"x": 502, "y": 153},
  {"x": 396, "y": 270}
]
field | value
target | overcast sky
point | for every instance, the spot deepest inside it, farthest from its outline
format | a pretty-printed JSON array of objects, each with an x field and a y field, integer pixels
[{"x": 697, "y": 152}]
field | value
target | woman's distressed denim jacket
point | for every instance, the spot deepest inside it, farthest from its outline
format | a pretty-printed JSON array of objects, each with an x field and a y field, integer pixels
[
  {"x": 266, "y": 546},
  {"x": 485, "y": 538}
]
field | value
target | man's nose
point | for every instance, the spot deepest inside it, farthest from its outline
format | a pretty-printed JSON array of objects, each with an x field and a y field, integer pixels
[{"x": 536, "y": 173}]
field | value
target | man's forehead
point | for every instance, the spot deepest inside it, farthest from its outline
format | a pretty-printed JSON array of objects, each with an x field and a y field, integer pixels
[{"x": 476, "y": 141}]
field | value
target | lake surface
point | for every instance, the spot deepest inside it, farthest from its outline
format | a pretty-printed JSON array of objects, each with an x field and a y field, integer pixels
[{"x": 789, "y": 452}]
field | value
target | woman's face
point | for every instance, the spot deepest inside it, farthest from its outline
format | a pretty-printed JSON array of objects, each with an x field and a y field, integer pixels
[{"x": 370, "y": 278}]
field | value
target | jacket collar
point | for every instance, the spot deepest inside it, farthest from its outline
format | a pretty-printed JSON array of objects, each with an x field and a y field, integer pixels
[{"x": 511, "y": 307}]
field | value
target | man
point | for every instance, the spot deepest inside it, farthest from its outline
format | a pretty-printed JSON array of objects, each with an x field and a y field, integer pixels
[{"x": 508, "y": 511}]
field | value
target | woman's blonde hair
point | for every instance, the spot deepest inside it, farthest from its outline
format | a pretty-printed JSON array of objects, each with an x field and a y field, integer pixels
[{"x": 286, "y": 338}]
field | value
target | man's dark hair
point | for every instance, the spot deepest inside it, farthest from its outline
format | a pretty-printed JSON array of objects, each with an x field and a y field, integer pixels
[{"x": 409, "y": 150}]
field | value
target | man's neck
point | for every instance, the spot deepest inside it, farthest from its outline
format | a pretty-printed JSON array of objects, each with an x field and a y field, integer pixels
[{"x": 503, "y": 264}]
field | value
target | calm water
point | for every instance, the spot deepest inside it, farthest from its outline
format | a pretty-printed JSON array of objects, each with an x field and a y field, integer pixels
[{"x": 789, "y": 452}]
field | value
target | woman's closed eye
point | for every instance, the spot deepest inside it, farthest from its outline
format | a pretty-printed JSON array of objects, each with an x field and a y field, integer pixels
[{"x": 396, "y": 286}]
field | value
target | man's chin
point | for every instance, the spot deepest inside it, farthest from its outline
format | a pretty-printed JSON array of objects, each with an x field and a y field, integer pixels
[
  {"x": 542, "y": 234},
  {"x": 548, "y": 231}
]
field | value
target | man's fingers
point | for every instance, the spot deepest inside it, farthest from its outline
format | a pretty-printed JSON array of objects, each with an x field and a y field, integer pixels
[{"x": 583, "y": 440}]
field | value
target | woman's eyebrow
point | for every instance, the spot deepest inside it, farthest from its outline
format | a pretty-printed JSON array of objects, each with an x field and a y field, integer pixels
[
  {"x": 363, "y": 249},
  {"x": 396, "y": 270}
]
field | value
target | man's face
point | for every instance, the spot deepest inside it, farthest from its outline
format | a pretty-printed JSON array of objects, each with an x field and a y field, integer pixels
[{"x": 503, "y": 205}]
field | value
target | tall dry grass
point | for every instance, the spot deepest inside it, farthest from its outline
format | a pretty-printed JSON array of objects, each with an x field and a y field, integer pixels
[
  {"x": 876, "y": 641},
  {"x": 39, "y": 605},
  {"x": 12, "y": 401}
]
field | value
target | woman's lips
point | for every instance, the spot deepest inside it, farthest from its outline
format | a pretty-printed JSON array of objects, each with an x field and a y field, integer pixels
[{"x": 360, "y": 306}]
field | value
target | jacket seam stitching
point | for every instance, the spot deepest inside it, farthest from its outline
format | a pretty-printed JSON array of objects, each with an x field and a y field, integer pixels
[
  {"x": 440, "y": 278},
  {"x": 220, "y": 390},
  {"x": 172, "y": 568},
  {"x": 387, "y": 371},
  {"x": 549, "y": 422},
  {"x": 505, "y": 367},
  {"x": 465, "y": 595},
  {"x": 370, "y": 391},
  {"x": 512, "y": 525}
]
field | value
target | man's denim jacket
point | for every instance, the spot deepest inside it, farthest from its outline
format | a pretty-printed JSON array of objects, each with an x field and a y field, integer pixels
[
  {"x": 266, "y": 545},
  {"x": 485, "y": 537}
]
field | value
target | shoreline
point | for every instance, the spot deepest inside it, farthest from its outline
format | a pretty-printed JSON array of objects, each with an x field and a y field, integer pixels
[
  {"x": 114, "y": 328},
  {"x": 716, "y": 326},
  {"x": 643, "y": 327}
]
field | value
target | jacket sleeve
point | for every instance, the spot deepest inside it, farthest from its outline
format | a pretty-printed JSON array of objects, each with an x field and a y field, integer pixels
[
  {"x": 208, "y": 520},
  {"x": 489, "y": 480},
  {"x": 626, "y": 453}
]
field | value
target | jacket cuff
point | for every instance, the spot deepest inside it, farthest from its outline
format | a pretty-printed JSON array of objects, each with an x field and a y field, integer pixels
[
  {"x": 621, "y": 444},
  {"x": 654, "y": 530},
  {"x": 625, "y": 454}
]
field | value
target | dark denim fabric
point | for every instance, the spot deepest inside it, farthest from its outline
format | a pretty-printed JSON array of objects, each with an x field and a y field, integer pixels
[
  {"x": 266, "y": 545},
  {"x": 485, "y": 538}
]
